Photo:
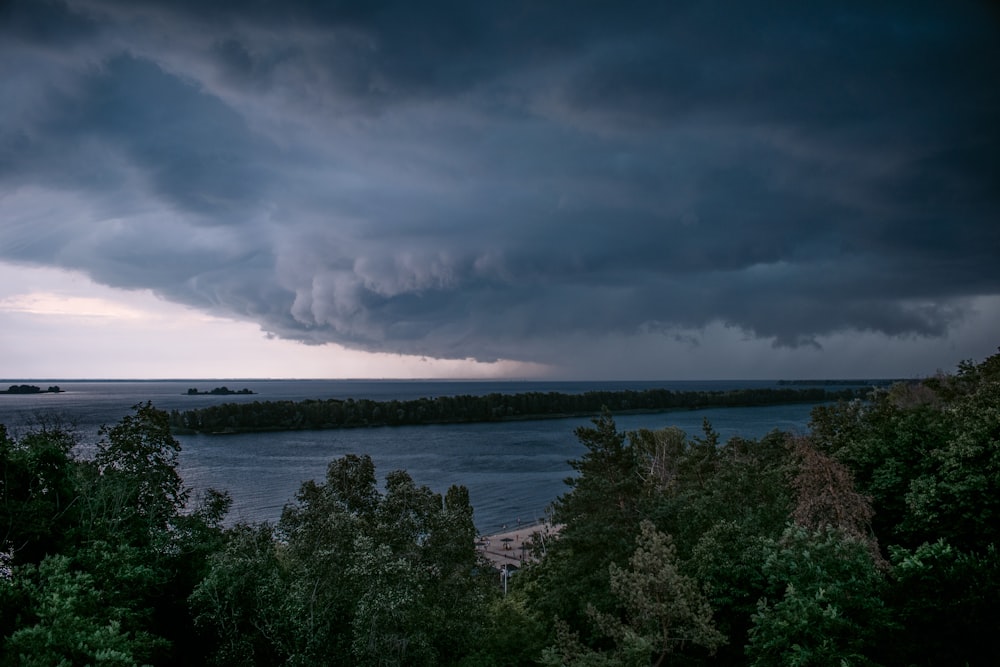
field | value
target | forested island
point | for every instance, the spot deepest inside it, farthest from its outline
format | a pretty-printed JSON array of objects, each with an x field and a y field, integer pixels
[
  {"x": 872, "y": 540},
  {"x": 218, "y": 391},
  {"x": 30, "y": 389},
  {"x": 262, "y": 416},
  {"x": 827, "y": 383}
]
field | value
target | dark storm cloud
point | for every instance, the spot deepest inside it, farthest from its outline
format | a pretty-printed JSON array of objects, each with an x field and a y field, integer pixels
[
  {"x": 195, "y": 151},
  {"x": 470, "y": 179}
]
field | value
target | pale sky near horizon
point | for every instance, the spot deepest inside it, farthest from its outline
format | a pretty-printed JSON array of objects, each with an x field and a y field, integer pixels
[{"x": 635, "y": 190}]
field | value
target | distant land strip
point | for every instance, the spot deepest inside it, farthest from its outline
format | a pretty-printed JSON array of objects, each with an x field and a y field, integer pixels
[
  {"x": 320, "y": 414},
  {"x": 30, "y": 389},
  {"x": 218, "y": 391}
]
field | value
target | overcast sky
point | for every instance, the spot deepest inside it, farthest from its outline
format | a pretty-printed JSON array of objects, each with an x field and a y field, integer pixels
[{"x": 672, "y": 190}]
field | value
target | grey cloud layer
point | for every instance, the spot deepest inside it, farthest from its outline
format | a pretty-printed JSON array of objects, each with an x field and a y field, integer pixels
[{"x": 466, "y": 179}]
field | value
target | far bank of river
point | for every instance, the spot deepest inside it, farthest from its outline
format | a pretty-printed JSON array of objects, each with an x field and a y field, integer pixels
[{"x": 337, "y": 413}]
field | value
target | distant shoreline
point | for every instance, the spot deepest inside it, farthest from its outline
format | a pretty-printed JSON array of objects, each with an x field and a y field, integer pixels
[{"x": 335, "y": 413}]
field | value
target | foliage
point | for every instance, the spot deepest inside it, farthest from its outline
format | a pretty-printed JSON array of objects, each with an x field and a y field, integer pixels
[
  {"x": 512, "y": 634},
  {"x": 106, "y": 551},
  {"x": 29, "y": 389},
  {"x": 660, "y": 611},
  {"x": 928, "y": 456},
  {"x": 825, "y": 497},
  {"x": 137, "y": 478},
  {"x": 945, "y": 600},
  {"x": 956, "y": 494},
  {"x": 788, "y": 538},
  {"x": 930, "y": 466},
  {"x": 351, "y": 576},
  {"x": 714, "y": 500},
  {"x": 600, "y": 516},
  {"x": 664, "y": 609},
  {"x": 728, "y": 565},
  {"x": 38, "y": 493},
  {"x": 74, "y": 623},
  {"x": 824, "y": 605},
  {"x": 238, "y": 601},
  {"x": 743, "y": 481},
  {"x": 351, "y": 413}
]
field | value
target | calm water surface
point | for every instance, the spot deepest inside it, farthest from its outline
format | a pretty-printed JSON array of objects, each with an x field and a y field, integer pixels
[{"x": 513, "y": 470}]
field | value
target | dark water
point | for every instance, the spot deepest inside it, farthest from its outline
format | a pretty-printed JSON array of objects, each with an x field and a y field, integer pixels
[{"x": 513, "y": 470}]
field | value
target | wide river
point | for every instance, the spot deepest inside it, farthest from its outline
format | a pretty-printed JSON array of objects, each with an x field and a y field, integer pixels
[{"x": 513, "y": 470}]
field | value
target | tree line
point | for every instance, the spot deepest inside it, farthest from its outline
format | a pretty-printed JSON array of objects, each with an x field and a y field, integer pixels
[
  {"x": 30, "y": 389},
  {"x": 870, "y": 541},
  {"x": 262, "y": 416}
]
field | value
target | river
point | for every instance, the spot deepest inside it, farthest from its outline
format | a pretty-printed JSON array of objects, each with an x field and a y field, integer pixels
[{"x": 513, "y": 470}]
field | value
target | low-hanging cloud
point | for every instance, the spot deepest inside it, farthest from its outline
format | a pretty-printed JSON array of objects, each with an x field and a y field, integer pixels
[{"x": 490, "y": 181}]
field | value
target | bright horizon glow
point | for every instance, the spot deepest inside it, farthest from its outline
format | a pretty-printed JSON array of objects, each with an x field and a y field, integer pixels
[{"x": 61, "y": 325}]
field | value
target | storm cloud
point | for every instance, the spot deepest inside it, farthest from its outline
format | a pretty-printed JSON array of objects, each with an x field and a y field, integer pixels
[{"x": 511, "y": 180}]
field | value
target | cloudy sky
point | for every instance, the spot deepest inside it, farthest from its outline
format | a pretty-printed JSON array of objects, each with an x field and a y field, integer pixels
[{"x": 583, "y": 189}]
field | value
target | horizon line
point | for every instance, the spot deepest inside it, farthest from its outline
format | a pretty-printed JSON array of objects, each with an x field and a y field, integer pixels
[{"x": 459, "y": 379}]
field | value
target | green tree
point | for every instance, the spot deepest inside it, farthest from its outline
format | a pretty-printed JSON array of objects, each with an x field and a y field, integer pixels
[
  {"x": 239, "y": 604},
  {"x": 512, "y": 633},
  {"x": 119, "y": 550},
  {"x": 137, "y": 490},
  {"x": 927, "y": 454},
  {"x": 956, "y": 493},
  {"x": 74, "y": 625},
  {"x": 720, "y": 503},
  {"x": 38, "y": 492},
  {"x": 600, "y": 516},
  {"x": 352, "y": 577},
  {"x": 824, "y": 604},
  {"x": 927, "y": 457},
  {"x": 660, "y": 611},
  {"x": 318, "y": 533}
]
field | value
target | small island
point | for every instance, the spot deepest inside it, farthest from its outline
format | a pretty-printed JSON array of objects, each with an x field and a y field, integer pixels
[
  {"x": 30, "y": 389},
  {"x": 218, "y": 391}
]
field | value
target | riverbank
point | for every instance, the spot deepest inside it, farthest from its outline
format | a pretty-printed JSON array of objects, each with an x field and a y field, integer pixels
[
  {"x": 511, "y": 548},
  {"x": 335, "y": 413}
]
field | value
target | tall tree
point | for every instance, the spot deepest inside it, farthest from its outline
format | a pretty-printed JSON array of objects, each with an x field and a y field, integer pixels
[
  {"x": 600, "y": 516},
  {"x": 136, "y": 464},
  {"x": 826, "y": 498},
  {"x": 660, "y": 611}
]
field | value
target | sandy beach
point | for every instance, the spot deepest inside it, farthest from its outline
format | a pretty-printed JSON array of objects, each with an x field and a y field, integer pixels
[{"x": 511, "y": 547}]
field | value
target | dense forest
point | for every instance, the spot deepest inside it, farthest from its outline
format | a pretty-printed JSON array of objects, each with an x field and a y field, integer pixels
[
  {"x": 336, "y": 413},
  {"x": 870, "y": 541}
]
